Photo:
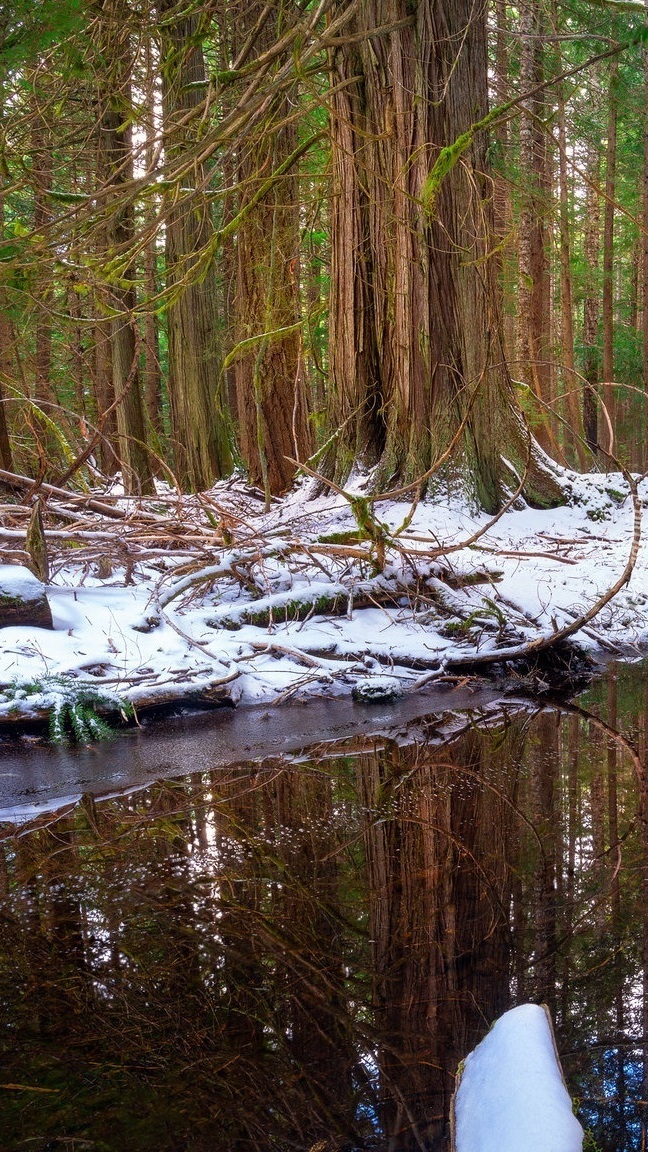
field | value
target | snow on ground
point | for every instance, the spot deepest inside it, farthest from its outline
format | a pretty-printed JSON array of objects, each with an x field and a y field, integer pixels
[
  {"x": 445, "y": 595},
  {"x": 511, "y": 1095}
]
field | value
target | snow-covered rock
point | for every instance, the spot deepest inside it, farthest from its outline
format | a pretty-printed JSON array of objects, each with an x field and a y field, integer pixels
[
  {"x": 511, "y": 1095},
  {"x": 377, "y": 689}
]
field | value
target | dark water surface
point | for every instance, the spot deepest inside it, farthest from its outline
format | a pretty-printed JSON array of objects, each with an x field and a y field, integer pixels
[{"x": 293, "y": 953}]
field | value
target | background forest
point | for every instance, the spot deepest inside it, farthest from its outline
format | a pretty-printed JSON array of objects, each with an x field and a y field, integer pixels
[{"x": 178, "y": 219}]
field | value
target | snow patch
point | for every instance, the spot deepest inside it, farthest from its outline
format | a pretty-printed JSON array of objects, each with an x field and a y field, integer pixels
[
  {"x": 19, "y": 583},
  {"x": 288, "y": 613}
]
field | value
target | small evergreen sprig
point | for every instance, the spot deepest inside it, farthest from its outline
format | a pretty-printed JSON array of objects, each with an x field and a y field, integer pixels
[
  {"x": 76, "y": 717},
  {"x": 72, "y": 707}
]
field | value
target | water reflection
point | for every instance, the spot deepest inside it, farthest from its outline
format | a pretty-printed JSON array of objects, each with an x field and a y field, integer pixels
[{"x": 296, "y": 955}]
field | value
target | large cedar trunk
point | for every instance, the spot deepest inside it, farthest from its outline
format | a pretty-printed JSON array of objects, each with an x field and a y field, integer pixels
[
  {"x": 502, "y": 186},
  {"x": 416, "y": 348},
  {"x": 270, "y": 391},
  {"x": 198, "y": 427},
  {"x": 152, "y": 375},
  {"x": 102, "y": 371}
]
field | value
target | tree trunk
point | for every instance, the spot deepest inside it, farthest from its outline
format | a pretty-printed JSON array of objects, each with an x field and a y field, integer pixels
[
  {"x": 152, "y": 376},
  {"x": 228, "y": 42},
  {"x": 198, "y": 426},
  {"x": 6, "y": 457},
  {"x": 115, "y": 141},
  {"x": 566, "y": 296},
  {"x": 591, "y": 362},
  {"x": 270, "y": 390},
  {"x": 502, "y": 201},
  {"x": 608, "y": 260},
  {"x": 42, "y": 171},
  {"x": 534, "y": 298},
  {"x": 415, "y": 327},
  {"x": 102, "y": 387}
]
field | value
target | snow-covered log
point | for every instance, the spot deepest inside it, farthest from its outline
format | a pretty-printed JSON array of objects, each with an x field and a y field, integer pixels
[{"x": 22, "y": 598}]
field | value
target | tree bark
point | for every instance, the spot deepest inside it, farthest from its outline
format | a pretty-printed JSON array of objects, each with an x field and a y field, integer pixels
[
  {"x": 115, "y": 141},
  {"x": 270, "y": 387},
  {"x": 42, "y": 172},
  {"x": 591, "y": 365},
  {"x": 198, "y": 426},
  {"x": 152, "y": 375},
  {"x": 6, "y": 456},
  {"x": 566, "y": 296},
  {"x": 415, "y": 326},
  {"x": 608, "y": 258},
  {"x": 534, "y": 284},
  {"x": 502, "y": 199}
]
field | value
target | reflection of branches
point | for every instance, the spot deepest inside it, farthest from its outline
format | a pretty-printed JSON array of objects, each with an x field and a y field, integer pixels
[
  {"x": 613, "y": 733},
  {"x": 222, "y": 890}
]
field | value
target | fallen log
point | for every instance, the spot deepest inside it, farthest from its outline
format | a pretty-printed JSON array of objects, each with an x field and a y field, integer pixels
[{"x": 124, "y": 708}]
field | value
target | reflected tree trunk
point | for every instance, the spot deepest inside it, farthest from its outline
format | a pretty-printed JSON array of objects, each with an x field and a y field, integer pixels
[
  {"x": 643, "y": 818},
  {"x": 439, "y": 889},
  {"x": 573, "y": 815},
  {"x": 546, "y": 821},
  {"x": 316, "y": 1012},
  {"x": 615, "y": 925}
]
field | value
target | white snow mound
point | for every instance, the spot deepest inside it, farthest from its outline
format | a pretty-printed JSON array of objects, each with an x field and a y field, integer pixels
[{"x": 512, "y": 1097}]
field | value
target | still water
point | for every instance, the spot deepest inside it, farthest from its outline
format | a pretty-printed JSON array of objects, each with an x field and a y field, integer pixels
[{"x": 294, "y": 953}]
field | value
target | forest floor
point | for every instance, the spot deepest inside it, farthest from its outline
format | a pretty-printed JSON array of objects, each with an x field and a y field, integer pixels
[{"x": 214, "y": 599}]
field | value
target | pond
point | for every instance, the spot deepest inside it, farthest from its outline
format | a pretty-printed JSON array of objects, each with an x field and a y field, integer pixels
[{"x": 294, "y": 952}]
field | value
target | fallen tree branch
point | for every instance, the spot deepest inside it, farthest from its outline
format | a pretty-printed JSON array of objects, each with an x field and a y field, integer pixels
[{"x": 15, "y": 480}]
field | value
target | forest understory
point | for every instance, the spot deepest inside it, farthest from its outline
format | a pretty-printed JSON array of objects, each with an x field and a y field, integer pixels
[
  {"x": 214, "y": 599},
  {"x": 257, "y": 235}
]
